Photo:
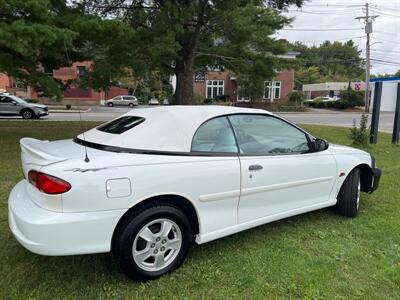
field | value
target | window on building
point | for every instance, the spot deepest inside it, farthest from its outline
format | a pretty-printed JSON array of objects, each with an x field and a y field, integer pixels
[
  {"x": 272, "y": 90},
  {"x": 81, "y": 70},
  {"x": 215, "y": 88}
]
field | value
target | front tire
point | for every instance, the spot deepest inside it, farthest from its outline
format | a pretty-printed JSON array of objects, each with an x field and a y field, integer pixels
[
  {"x": 155, "y": 241},
  {"x": 27, "y": 114},
  {"x": 110, "y": 104},
  {"x": 349, "y": 195}
]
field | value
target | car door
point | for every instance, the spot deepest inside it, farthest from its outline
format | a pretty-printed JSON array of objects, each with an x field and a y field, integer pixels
[
  {"x": 8, "y": 106},
  {"x": 279, "y": 172},
  {"x": 118, "y": 100},
  {"x": 215, "y": 176},
  {"x": 125, "y": 100}
]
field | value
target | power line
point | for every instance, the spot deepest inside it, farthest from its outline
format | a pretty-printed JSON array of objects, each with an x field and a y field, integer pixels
[
  {"x": 334, "y": 40},
  {"x": 385, "y": 14},
  {"x": 387, "y": 41},
  {"x": 333, "y": 5},
  {"x": 316, "y": 12},
  {"x": 384, "y": 51},
  {"x": 391, "y": 9},
  {"x": 319, "y": 29}
]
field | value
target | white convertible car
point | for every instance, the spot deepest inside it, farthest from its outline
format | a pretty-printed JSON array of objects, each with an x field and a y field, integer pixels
[{"x": 156, "y": 180}]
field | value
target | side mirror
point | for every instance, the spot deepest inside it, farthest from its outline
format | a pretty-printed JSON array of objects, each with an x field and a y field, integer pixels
[
  {"x": 14, "y": 102},
  {"x": 320, "y": 145}
]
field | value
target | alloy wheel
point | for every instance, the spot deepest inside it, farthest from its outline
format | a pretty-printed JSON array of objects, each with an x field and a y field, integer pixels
[{"x": 157, "y": 244}]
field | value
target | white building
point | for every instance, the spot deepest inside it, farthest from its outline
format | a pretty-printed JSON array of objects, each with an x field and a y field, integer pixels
[{"x": 330, "y": 88}]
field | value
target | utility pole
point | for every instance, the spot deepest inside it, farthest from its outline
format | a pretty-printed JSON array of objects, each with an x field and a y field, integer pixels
[{"x": 368, "y": 30}]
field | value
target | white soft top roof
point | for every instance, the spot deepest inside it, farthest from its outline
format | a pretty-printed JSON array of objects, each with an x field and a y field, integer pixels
[{"x": 166, "y": 128}]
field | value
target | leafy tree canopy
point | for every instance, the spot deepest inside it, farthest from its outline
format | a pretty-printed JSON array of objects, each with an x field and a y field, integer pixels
[
  {"x": 330, "y": 61},
  {"x": 179, "y": 37},
  {"x": 140, "y": 37}
]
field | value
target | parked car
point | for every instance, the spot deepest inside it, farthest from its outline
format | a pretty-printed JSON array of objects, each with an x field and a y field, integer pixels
[
  {"x": 11, "y": 105},
  {"x": 125, "y": 100},
  {"x": 153, "y": 101},
  {"x": 324, "y": 99},
  {"x": 220, "y": 170}
]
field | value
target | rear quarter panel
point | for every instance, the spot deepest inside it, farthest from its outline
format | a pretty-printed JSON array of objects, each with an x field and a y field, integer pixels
[{"x": 212, "y": 184}]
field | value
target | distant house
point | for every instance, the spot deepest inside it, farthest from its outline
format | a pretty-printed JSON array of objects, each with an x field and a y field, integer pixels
[
  {"x": 76, "y": 94},
  {"x": 330, "y": 89},
  {"x": 73, "y": 94},
  {"x": 223, "y": 84},
  {"x": 217, "y": 84}
]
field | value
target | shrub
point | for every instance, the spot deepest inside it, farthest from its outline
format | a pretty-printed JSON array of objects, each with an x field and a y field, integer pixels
[
  {"x": 360, "y": 135},
  {"x": 32, "y": 100},
  {"x": 341, "y": 104},
  {"x": 354, "y": 98},
  {"x": 197, "y": 99},
  {"x": 68, "y": 106},
  {"x": 291, "y": 108},
  {"x": 296, "y": 97},
  {"x": 330, "y": 104}
]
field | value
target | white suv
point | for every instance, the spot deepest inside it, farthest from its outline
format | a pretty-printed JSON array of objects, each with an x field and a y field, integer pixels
[{"x": 125, "y": 100}]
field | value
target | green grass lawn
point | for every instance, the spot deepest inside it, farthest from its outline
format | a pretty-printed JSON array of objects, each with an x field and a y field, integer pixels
[{"x": 319, "y": 255}]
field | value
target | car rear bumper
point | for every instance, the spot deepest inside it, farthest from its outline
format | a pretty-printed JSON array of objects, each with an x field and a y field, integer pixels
[{"x": 53, "y": 233}]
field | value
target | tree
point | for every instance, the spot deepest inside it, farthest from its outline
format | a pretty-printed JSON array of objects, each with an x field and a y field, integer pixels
[
  {"x": 334, "y": 61},
  {"x": 38, "y": 36},
  {"x": 181, "y": 36},
  {"x": 33, "y": 39}
]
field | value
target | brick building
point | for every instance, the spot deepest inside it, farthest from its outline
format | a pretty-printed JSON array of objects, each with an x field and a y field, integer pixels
[
  {"x": 73, "y": 94},
  {"x": 214, "y": 84}
]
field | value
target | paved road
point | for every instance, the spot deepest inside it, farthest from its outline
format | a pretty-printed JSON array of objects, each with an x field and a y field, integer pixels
[{"x": 321, "y": 117}]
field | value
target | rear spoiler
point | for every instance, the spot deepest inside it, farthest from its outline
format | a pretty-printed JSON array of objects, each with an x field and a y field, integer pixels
[{"x": 33, "y": 151}]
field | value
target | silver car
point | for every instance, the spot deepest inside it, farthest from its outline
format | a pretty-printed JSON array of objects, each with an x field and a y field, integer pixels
[
  {"x": 125, "y": 100},
  {"x": 11, "y": 105}
]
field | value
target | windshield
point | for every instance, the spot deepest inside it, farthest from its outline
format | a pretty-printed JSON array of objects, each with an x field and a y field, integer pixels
[{"x": 15, "y": 98}]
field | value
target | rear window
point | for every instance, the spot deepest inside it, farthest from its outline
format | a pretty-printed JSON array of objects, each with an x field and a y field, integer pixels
[{"x": 121, "y": 125}]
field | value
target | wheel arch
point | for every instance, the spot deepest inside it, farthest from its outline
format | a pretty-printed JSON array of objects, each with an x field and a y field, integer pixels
[
  {"x": 25, "y": 109},
  {"x": 366, "y": 176},
  {"x": 178, "y": 201}
]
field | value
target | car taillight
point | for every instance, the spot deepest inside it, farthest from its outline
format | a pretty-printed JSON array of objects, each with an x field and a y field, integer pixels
[{"x": 48, "y": 184}]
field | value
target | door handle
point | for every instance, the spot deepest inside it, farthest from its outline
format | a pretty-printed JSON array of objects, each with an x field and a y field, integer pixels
[{"x": 255, "y": 167}]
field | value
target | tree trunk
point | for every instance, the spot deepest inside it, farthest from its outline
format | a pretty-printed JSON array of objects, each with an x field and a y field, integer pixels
[{"x": 184, "y": 81}]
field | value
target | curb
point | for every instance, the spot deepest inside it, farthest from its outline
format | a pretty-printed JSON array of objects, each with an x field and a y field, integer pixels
[{"x": 69, "y": 111}]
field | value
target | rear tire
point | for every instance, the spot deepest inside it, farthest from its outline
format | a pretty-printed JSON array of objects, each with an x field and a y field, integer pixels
[
  {"x": 155, "y": 241},
  {"x": 349, "y": 195},
  {"x": 131, "y": 105},
  {"x": 27, "y": 114}
]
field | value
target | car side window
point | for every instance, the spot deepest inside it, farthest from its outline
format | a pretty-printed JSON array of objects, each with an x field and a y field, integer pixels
[
  {"x": 267, "y": 135},
  {"x": 215, "y": 135},
  {"x": 117, "y": 98},
  {"x": 5, "y": 99}
]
